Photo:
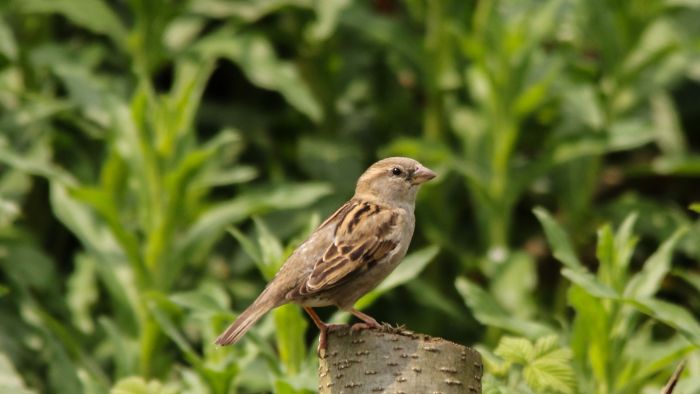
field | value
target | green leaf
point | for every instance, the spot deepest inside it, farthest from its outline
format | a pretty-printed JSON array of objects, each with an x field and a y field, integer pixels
[
  {"x": 607, "y": 256},
  {"x": 558, "y": 240},
  {"x": 514, "y": 282},
  {"x": 624, "y": 134},
  {"x": 551, "y": 368},
  {"x": 231, "y": 176},
  {"x": 551, "y": 373},
  {"x": 669, "y": 133},
  {"x": 208, "y": 298},
  {"x": 93, "y": 15},
  {"x": 515, "y": 350},
  {"x": 10, "y": 380},
  {"x": 590, "y": 331},
  {"x": 411, "y": 266},
  {"x": 588, "y": 282},
  {"x": 250, "y": 248},
  {"x": 691, "y": 278},
  {"x": 494, "y": 386},
  {"x": 246, "y": 11},
  {"x": 139, "y": 385},
  {"x": 434, "y": 296},
  {"x": 489, "y": 312},
  {"x": 547, "y": 366},
  {"x": 258, "y": 60},
  {"x": 385, "y": 32},
  {"x": 327, "y": 15},
  {"x": 290, "y": 327},
  {"x": 8, "y": 43},
  {"x": 62, "y": 376},
  {"x": 545, "y": 345},
  {"x": 625, "y": 243},
  {"x": 82, "y": 222},
  {"x": 158, "y": 306},
  {"x": 125, "y": 349},
  {"x": 647, "y": 282},
  {"x": 212, "y": 222},
  {"x": 272, "y": 252},
  {"x": 671, "y": 314},
  {"x": 29, "y": 164},
  {"x": 82, "y": 292},
  {"x": 695, "y": 207},
  {"x": 103, "y": 204}
]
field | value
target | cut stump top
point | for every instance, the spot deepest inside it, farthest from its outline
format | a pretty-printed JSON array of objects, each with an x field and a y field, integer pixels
[{"x": 393, "y": 360}]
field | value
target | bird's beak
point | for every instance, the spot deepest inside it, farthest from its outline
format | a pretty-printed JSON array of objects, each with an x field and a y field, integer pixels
[{"x": 422, "y": 175}]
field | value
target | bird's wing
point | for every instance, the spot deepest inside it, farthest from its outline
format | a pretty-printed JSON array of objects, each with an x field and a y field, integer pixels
[{"x": 365, "y": 234}]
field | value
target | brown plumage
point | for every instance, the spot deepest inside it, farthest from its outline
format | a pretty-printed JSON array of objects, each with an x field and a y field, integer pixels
[{"x": 350, "y": 253}]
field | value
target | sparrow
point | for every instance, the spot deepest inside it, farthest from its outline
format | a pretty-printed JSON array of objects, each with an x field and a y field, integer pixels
[{"x": 350, "y": 253}]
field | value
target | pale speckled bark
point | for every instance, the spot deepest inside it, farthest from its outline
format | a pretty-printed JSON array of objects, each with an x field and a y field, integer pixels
[{"x": 392, "y": 360}]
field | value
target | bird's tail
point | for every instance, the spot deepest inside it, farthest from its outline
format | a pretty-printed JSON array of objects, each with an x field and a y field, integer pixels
[{"x": 244, "y": 322}]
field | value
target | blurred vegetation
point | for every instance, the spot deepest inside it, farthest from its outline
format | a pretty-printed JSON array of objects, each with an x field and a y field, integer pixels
[{"x": 159, "y": 159}]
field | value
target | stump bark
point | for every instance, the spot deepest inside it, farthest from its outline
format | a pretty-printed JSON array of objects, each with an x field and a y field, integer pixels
[{"x": 391, "y": 360}]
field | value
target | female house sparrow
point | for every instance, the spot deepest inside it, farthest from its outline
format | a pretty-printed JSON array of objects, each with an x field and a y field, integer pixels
[{"x": 350, "y": 253}]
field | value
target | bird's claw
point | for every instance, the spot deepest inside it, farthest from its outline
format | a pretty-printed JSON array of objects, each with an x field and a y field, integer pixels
[
  {"x": 323, "y": 339},
  {"x": 363, "y": 326}
]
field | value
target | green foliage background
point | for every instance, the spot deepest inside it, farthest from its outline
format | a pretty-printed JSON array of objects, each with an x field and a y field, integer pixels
[{"x": 159, "y": 159}]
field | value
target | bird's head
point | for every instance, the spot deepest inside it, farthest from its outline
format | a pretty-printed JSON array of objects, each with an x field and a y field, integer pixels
[{"x": 393, "y": 180}]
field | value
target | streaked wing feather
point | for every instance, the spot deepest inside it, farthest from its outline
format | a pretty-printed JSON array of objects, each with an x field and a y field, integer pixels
[{"x": 364, "y": 236}]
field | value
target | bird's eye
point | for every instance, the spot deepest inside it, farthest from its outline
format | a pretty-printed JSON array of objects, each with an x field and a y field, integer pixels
[{"x": 396, "y": 171}]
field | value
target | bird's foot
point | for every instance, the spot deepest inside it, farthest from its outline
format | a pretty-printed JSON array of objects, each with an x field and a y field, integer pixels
[
  {"x": 323, "y": 338},
  {"x": 369, "y": 320},
  {"x": 364, "y": 326}
]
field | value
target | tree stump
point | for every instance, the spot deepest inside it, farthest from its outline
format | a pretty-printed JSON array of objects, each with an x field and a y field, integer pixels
[{"x": 393, "y": 360}]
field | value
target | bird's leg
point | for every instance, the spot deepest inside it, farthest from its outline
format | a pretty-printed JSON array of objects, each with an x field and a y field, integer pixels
[
  {"x": 368, "y": 320},
  {"x": 323, "y": 328}
]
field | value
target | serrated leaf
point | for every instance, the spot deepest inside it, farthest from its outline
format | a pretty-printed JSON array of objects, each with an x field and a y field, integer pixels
[
  {"x": 516, "y": 350},
  {"x": 545, "y": 345},
  {"x": 495, "y": 386},
  {"x": 550, "y": 369},
  {"x": 550, "y": 375}
]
